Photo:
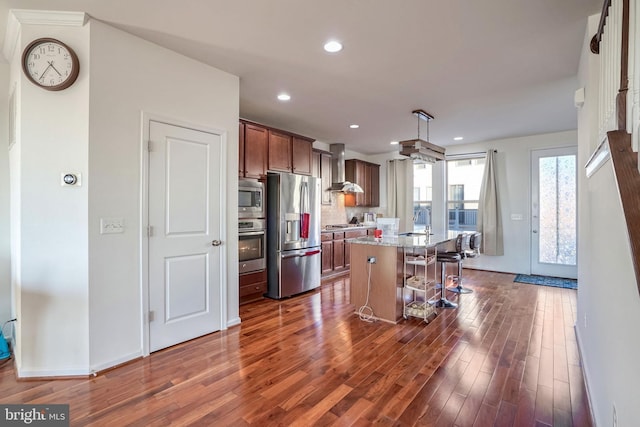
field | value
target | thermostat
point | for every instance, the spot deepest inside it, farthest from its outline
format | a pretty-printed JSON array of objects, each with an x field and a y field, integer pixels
[{"x": 70, "y": 179}]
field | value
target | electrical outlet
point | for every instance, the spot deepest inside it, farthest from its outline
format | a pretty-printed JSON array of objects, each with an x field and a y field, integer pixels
[{"x": 371, "y": 259}]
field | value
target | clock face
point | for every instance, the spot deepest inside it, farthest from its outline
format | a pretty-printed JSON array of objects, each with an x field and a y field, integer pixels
[{"x": 50, "y": 64}]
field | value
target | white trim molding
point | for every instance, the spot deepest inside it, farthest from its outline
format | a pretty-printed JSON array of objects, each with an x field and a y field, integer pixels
[
  {"x": 18, "y": 17},
  {"x": 598, "y": 158},
  {"x": 50, "y": 17}
]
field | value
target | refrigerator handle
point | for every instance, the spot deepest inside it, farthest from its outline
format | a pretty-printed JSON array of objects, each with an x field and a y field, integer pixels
[{"x": 301, "y": 253}]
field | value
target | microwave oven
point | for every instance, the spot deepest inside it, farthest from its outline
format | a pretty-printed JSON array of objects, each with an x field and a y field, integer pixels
[{"x": 251, "y": 199}]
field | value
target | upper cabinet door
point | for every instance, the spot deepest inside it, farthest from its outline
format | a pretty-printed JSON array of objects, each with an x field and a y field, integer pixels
[
  {"x": 326, "y": 166},
  {"x": 367, "y": 176},
  {"x": 241, "y": 150},
  {"x": 280, "y": 152},
  {"x": 375, "y": 185},
  {"x": 315, "y": 164},
  {"x": 301, "y": 155},
  {"x": 256, "y": 139}
]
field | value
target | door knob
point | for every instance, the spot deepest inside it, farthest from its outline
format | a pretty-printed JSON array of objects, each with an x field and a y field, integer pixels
[{"x": 216, "y": 243}]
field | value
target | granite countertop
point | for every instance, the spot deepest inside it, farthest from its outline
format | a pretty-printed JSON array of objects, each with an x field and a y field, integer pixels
[
  {"x": 347, "y": 227},
  {"x": 408, "y": 240}
]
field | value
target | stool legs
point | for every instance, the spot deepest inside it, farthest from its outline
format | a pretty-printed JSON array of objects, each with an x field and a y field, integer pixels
[
  {"x": 443, "y": 302},
  {"x": 459, "y": 289}
]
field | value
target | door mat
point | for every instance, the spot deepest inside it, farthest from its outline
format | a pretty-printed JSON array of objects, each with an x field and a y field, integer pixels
[{"x": 547, "y": 281}]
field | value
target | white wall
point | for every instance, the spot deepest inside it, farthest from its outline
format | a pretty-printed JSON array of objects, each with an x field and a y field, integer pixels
[
  {"x": 157, "y": 81},
  {"x": 78, "y": 294},
  {"x": 514, "y": 181},
  {"x": 51, "y": 227},
  {"x": 5, "y": 247},
  {"x": 608, "y": 297}
]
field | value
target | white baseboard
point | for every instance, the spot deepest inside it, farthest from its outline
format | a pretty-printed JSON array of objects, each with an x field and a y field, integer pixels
[
  {"x": 233, "y": 322},
  {"x": 77, "y": 372},
  {"x": 115, "y": 362},
  {"x": 585, "y": 378}
]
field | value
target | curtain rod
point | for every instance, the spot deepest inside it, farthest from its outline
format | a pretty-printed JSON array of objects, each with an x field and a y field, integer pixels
[{"x": 477, "y": 153}]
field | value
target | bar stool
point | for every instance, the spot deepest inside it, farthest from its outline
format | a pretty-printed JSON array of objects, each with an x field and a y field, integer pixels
[
  {"x": 474, "y": 246},
  {"x": 444, "y": 258},
  {"x": 466, "y": 251}
]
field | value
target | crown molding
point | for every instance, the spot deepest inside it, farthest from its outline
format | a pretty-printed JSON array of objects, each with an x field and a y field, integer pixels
[
  {"x": 19, "y": 17},
  {"x": 50, "y": 17}
]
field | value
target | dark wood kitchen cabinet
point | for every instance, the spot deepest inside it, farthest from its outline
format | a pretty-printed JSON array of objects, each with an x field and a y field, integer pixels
[
  {"x": 326, "y": 244},
  {"x": 253, "y": 146},
  {"x": 301, "y": 155},
  {"x": 279, "y": 151},
  {"x": 338, "y": 251},
  {"x": 367, "y": 176},
  {"x": 321, "y": 166},
  {"x": 253, "y": 286},
  {"x": 263, "y": 148},
  {"x": 289, "y": 153}
]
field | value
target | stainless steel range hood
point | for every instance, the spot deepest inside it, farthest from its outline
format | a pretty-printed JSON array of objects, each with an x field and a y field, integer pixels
[{"x": 339, "y": 183}]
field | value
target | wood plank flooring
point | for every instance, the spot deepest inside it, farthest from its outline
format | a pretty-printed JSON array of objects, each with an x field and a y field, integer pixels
[{"x": 506, "y": 357}]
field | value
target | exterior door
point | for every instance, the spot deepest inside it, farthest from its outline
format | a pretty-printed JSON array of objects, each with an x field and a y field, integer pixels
[
  {"x": 554, "y": 217},
  {"x": 185, "y": 273}
]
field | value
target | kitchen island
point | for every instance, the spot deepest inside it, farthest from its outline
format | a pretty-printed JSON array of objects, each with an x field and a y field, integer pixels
[{"x": 383, "y": 280}]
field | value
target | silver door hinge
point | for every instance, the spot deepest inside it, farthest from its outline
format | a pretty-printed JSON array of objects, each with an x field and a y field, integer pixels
[
  {"x": 152, "y": 316},
  {"x": 149, "y": 231}
]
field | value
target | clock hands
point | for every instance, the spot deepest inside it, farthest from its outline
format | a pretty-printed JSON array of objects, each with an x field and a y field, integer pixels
[
  {"x": 46, "y": 69},
  {"x": 54, "y": 68}
]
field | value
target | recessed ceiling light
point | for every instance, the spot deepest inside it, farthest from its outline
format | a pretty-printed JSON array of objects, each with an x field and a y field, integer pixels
[
  {"x": 333, "y": 46},
  {"x": 394, "y": 143},
  {"x": 458, "y": 138},
  {"x": 284, "y": 97},
  {"x": 354, "y": 126}
]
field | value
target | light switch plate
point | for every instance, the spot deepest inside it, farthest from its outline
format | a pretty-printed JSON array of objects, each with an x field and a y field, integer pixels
[{"x": 111, "y": 225}]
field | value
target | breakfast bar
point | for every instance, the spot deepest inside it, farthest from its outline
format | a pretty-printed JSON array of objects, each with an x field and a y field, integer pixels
[{"x": 378, "y": 270}]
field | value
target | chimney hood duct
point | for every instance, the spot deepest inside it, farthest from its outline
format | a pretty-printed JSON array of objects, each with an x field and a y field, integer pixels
[{"x": 339, "y": 183}]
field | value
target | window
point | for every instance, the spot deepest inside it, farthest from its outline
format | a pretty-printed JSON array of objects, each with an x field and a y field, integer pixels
[
  {"x": 464, "y": 178},
  {"x": 422, "y": 195}
]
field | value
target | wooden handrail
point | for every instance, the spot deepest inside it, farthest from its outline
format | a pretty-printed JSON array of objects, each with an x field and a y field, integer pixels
[
  {"x": 595, "y": 41},
  {"x": 625, "y": 166}
]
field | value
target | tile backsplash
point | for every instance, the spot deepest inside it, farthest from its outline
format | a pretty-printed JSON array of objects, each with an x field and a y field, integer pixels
[{"x": 338, "y": 213}]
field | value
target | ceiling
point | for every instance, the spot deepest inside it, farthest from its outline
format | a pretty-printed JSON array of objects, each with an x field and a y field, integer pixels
[{"x": 485, "y": 70}]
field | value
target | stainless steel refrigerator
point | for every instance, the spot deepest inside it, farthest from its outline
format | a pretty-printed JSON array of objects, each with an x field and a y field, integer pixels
[{"x": 293, "y": 234}]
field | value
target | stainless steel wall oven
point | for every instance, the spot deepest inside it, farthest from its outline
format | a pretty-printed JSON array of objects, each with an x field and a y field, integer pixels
[{"x": 252, "y": 245}]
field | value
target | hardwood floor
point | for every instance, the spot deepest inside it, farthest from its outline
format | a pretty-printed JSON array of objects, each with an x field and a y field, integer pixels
[{"x": 506, "y": 357}]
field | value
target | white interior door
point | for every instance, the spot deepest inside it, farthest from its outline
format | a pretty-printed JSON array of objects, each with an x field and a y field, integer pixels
[
  {"x": 554, "y": 217},
  {"x": 185, "y": 220}
]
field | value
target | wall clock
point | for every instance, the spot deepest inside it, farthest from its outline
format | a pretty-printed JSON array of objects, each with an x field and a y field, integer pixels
[{"x": 50, "y": 64}]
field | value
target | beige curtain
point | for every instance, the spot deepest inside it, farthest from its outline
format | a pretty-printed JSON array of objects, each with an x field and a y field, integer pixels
[
  {"x": 489, "y": 217},
  {"x": 400, "y": 192}
]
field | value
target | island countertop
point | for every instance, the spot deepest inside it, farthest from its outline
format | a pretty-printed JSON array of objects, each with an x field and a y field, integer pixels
[{"x": 408, "y": 240}]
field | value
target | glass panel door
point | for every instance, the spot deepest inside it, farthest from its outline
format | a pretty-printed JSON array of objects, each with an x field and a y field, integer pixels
[
  {"x": 553, "y": 218},
  {"x": 422, "y": 195}
]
